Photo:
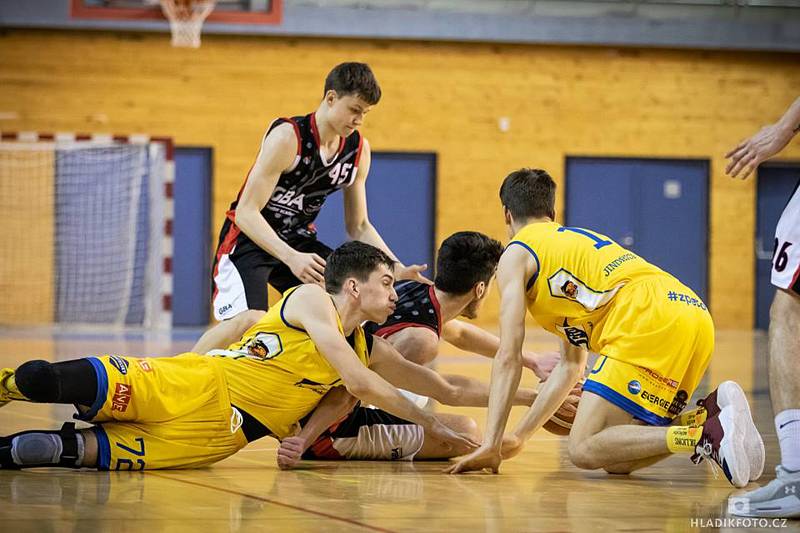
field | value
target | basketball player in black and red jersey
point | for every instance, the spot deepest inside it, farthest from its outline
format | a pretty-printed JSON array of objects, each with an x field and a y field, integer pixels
[
  {"x": 268, "y": 236},
  {"x": 424, "y": 314}
]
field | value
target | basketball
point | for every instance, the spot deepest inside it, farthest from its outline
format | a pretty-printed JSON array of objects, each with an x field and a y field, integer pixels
[{"x": 561, "y": 422}]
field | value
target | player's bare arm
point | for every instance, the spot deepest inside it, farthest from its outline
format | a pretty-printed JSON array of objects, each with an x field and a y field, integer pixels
[
  {"x": 554, "y": 391},
  {"x": 471, "y": 338},
  {"x": 335, "y": 405},
  {"x": 419, "y": 345},
  {"x": 357, "y": 222},
  {"x": 455, "y": 390},
  {"x": 312, "y": 309},
  {"x": 515, "y": 268},
  {"x": 753, "y": 151},
  {"x": 277, "y": 154}
]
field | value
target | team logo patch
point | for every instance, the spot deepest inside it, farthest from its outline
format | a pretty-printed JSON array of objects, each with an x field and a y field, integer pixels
[
  {"x": 122, "y": 397},
  {"x": 570, "y": 290},
  {"x": 634, "y": 387},
  {"x": 119, "y": 363},
  {"x": 264, "y": 346},
  {"x": 144, "y": 364}
]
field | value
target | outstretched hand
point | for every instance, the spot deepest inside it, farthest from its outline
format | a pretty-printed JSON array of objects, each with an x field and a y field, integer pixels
[
  {"x": 753, "y": 151},
  {"x": 449, "y": 437},
  {"x": 481, "y": 459},
  {"x": 413, "y": 273}
]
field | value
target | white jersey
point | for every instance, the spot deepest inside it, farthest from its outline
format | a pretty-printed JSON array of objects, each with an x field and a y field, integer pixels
[{"x": 786, "y": 256}]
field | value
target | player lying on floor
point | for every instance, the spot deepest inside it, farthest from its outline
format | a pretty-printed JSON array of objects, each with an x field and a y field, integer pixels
[
  {"x": 194, "y": 410},
  {"x": 465, "y": 266}
]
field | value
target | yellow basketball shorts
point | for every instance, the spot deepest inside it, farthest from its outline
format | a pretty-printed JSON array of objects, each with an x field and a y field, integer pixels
[
  {"x": 656, "y": 342},
  {"x": 170, "y": 412}
]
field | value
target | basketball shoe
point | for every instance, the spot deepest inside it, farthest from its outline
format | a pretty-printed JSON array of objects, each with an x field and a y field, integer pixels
[
  {"x": 730, "y": 393},
  {"x": 722, "y": 441},
  {"x": 780, "y": 498},
  {"x": 8, "y": 387}
]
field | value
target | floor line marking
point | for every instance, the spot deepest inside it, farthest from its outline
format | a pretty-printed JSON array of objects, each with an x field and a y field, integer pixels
[{"x": 274, "y": 502}]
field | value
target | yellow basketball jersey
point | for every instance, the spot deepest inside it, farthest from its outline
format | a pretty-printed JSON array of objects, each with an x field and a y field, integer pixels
[
  {"x": 579, "y": 274},
  {"x": 276, "y": 373}
]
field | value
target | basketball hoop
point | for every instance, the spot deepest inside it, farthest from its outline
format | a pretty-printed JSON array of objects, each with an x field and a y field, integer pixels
[{"x": 186, "y": 19}]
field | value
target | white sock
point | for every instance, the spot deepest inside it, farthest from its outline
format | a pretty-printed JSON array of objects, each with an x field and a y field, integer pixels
[{"x": 787, "y": 424}]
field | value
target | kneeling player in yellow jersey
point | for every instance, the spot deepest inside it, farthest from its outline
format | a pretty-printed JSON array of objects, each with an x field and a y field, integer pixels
[
  {"x": 654, "y": 336},
  {"x": 193, "y": 410}
]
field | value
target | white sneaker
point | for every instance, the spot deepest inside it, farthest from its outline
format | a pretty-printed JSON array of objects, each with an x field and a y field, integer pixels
[
  {"x": 722, "y": 442},
  {"x": 730, "y": 393},
  {"x": 780, "y": 498}
]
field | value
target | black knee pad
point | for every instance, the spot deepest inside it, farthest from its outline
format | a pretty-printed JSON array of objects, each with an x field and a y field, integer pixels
[{"x": 37, "y": 381}]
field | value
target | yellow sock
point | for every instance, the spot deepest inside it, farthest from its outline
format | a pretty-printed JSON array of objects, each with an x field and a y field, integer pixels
[
  {"x": 695, "y": 417},
  {"x": 683, "y": 438}
]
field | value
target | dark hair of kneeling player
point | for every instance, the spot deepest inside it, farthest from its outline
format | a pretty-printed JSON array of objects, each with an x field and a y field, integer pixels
[
  {"x": 353, "y": 259},
  {"x": 466, "y": 258}
]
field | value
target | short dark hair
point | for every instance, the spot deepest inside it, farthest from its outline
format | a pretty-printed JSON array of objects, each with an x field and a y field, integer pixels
[
  {"x": 353, "y": 259},
  {"x": 466, "y": 258},
  {"x": 529, "y": 193},
  {"x": 354, "y": 79}
]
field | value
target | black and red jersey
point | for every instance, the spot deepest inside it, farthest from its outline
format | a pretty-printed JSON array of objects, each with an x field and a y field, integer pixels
[
  {"x": 417, "y": 306},
  {"x": 302, "y": 189}
]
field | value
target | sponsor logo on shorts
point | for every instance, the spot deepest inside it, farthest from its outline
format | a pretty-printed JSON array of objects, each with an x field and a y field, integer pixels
[
  {"x": 634, "y": 387},
  {"x": 397, "y": 453},
  {"x": 678, "y": 403},
  {"x": 673, "y": 407},
  {"x": 121, "y": 398},
  {"x": 224, "y": 309},
  {"x": 671, "y": 383},
  {"x": 144, "y": 364},
  {"x": 119, "y": 363}
]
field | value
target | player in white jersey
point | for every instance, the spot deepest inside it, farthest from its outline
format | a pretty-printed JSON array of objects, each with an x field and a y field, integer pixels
[{"x": 780, "y": 497}]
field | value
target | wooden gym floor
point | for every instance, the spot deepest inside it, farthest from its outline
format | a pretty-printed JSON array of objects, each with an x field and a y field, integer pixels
[{"x": 537, "y": 491}]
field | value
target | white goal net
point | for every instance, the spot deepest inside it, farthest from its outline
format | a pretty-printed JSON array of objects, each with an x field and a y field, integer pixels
[{"x": 85, "y": 238}]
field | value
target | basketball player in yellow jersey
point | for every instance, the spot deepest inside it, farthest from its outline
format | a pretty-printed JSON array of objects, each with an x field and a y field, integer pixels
[
  {"x": 654, "y": 336},
  {"x": 193, "y": 410}
]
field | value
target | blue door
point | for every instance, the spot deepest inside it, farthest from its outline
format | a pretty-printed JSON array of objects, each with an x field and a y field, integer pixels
[
  {"x": 401, "y": 192},
  {"x": 657, "y": 208},
  {"x": 191, "y": 259},
  {"x": 775, "y": 185}
]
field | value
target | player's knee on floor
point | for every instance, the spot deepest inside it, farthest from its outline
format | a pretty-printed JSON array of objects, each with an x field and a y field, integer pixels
[
  {"x": 621, "y": 470},
  {"x": 64, "y": 448},
  {"x": 581, "y": 456},
  {"x": 37, "y": 380}
]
